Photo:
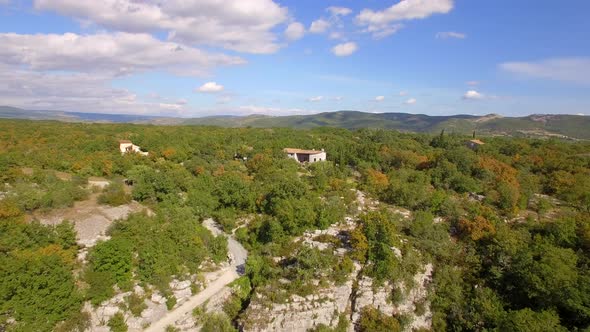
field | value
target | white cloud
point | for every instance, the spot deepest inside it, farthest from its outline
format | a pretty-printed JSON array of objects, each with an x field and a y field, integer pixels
[
  {"x": 337, "y": 98},
  {"x": 315, "y": 99},
  {"x": 380, "y": 23},
  {"x": 244, "y": 26},
  {"x": 450, "y": 34},
  {"x": 472, "y": 83},
  {"x": 210, "y": 87},
  {"x": 410, "y": 101},
  {"x": 80, "y": 92},
  {"x": 319, "y": 26},
  {"x": 345, "y": 49},
  {"x": 169, "y": 106},
  {"x": 295, "y": 31},
  {"x": 273, "y": 111},
  {"x": 339, "y": 11},
  {"x": 574, "y": 69},
  {"x": 403, "y": 93},
  {"x": 380, "y": 98},
  {"x": 336, "y": 35},
  {"x": 473, "y": 95},
  {"x": 385, "y": 31},
  {"x": 112, "y": 54}
]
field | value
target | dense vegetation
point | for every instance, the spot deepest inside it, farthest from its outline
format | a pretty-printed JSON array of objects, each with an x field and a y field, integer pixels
[{"x": 510, "y": 243}]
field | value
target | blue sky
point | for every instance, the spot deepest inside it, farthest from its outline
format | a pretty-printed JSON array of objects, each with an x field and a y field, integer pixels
[{"x": 212, "y": 57}]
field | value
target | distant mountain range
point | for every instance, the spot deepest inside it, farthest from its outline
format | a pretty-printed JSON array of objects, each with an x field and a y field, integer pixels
[{"x": 564, "y": 126}]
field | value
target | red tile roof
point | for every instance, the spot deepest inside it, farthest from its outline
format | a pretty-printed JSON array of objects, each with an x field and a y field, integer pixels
[{"x": 301, "y": 151}]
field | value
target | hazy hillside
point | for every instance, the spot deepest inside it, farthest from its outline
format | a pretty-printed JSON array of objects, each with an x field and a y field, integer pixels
[
  {"x": 572, "y": 126},
  {"x": 17, "y": 113}
]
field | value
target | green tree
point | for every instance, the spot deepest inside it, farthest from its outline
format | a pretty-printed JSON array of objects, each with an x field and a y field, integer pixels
[
  {"x": 38, "y": 289},
  {"x": 372, "y": 320},
  {"x": 531, "y": 321}
]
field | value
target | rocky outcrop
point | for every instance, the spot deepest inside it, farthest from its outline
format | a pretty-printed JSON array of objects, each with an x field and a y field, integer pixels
[
  {"x": 299, "y": 314},
  {"x": 368, "y": 295},
  {"x": 181, "y": 290},
  {"x": 155, "y": 307},
  {"x": 381, "y": 298}
]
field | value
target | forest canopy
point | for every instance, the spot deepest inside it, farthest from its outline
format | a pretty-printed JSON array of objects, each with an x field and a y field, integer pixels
[{"x": 506, "y": 226}]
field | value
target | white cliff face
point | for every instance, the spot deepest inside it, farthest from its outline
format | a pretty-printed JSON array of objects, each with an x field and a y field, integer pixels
[
  {"x": 326, "y": 304},
  {"x": 299, "y": 314}
]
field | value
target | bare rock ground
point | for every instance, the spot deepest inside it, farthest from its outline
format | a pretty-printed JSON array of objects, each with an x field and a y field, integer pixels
[{"x": 91, "y": 219}]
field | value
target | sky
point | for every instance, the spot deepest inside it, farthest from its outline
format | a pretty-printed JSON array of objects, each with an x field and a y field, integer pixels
[{"x": 193, "y": 58}]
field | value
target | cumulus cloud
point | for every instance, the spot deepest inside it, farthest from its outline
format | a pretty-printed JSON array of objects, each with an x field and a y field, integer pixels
[
  {"x": 83, "y": 92},
  {"x": 210, "y": 87},
  {"x": 450, "y": 34},
  {"x": 380, "y": 23},
  {"x": 112, "y": 54},
  {"x": 410, "y": 101},
  {"x": 319, "y": 26},
  {"x": 294, "y": 31},
  {"x": 345, "y": 49},
  {"x": 473, "y": 95},
  {"x": 243, "y": 26},
  {"x": 315, "y": 99},
  {"x": 570, "y": 69},
  {"x": 380, "y": 98},
  {"x": 339, "y": 11}
]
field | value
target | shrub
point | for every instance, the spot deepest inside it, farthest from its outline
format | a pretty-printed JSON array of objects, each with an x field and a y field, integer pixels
[
  {"x": 114, "y": 195},
  {"x": 372, "y": 320},
  {"x": 171, "y": 302},
  {"x": 117, "y": 323},
  {"x": 216, "y": 322},
  {"x": 136, "y": 304}
]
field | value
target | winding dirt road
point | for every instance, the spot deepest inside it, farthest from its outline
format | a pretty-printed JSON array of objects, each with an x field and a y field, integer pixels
[{"x": 238, "y": 254}]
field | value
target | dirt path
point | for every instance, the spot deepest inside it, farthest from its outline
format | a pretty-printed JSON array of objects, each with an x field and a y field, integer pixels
[
  {"x": 186, "y": 309},
  {"x": 238, "y": 254}
]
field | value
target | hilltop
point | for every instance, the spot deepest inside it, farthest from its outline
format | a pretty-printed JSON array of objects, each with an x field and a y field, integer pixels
[{"x": 545, "y": 125}]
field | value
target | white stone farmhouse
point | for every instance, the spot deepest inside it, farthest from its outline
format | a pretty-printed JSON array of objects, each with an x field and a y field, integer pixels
[
  {"x": 127, "y": 146},
  {"x": 303, "y": 156}
]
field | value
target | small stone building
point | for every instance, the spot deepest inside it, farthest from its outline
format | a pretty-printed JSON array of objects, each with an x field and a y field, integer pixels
[
  {"x": 127, "y": 146},
  {"x": 303, "y": 156},
  {"x": 474, "y": 144}
]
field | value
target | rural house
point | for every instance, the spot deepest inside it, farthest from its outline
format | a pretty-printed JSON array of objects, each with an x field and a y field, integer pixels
[
  {"x": 302, "y": 156},
  {"x": 474, "y": 144},
  {"x": 127, "y": 147}
]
